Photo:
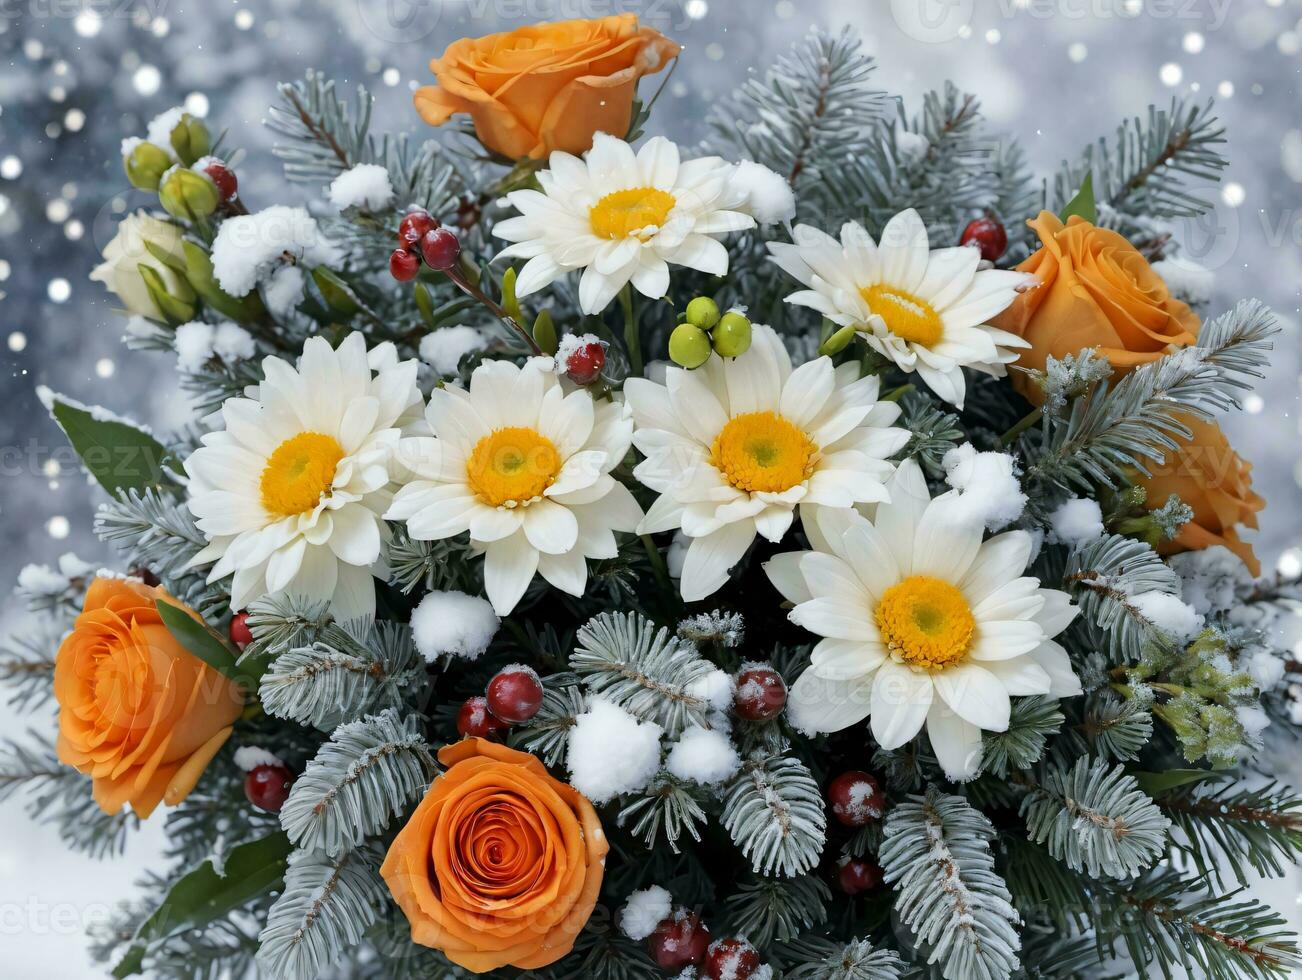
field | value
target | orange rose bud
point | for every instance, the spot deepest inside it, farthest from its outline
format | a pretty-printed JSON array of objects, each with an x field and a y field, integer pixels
[
  {"x": 1209, "y": 476},
  {"x": 501, "y": 864},
  {"x": 138, "y": 713},
  {"x": 1095, "y": 290},
  {"x": 546, "y": 87}
]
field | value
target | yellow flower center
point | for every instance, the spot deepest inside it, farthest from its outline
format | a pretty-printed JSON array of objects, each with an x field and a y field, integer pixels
[
  {"x": 906, "y": 316},
  {"x": 761, "y": 451},
  {"x": 512, "y": 466},
  {"x": 299, "y": 472},
  {"x": 926, "y": 622},
  {"x": 636, "y": 212}
]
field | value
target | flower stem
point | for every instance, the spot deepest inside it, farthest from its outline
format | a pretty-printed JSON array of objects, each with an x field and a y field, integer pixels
[
  {"x": 1011, "y": 435},
  {"x": 632, "y": 340},
  {"x": 458, "y": 276}
]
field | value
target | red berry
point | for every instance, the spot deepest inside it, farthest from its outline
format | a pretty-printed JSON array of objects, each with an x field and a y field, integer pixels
[
  {"x": 241, "y": 635},
  {"x": 224, "y": 178},
  {"x": 515, "y": 695},
  {"x": 440, "y": 247},
  {"x": 584, "y": 363},
  {"x": 475, "y": 719},
  {"x": 267, "y": 787},
  {"x": 403, "y": 265},
  {"x": 761, "y": 693},
  {"x": 856, "y": 798},
  {"x": 857, "y": 876},
  {"x": 988, "y": 235},
  {"x": 679, "y": 941},
  {"x": 730, "y": 959},
  {"x": 413, "y": 227}
]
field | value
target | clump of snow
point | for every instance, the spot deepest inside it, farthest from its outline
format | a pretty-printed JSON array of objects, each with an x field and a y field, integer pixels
[
  {"x": 611, "y": 752},
  {"x": 1076, "y": 521},
  {"x": 249, "y": 246},
  {"x": 645, "y": 910},
  {"x": 141, "y": 331},
  {"x": 703, "y": 755},
  {"x": 1265, "y": 667},
  {"x": 444, "y": 348},
  {"x": 911, "y": 146},
  {"x": 1186, "y": 279},
  {"x": 159, "y": 130},
  {"x": 716, "y": 687},
  {"x": 198, "y": 342},
  {"x": 986, "y": 487},
  {"x": 1253, "y": 720},
  {"x": 453, "y": 623},
  {"x": 1169, "y": 613},
  {"x": 42, "y": 580},
  {"x": 249, "y": 757},
  {"x": 366, "y": 186},
  {"x": 1212, "y": 579},
  {"x": 769, "y": 197},
  {"x": 283, "y": 290}
]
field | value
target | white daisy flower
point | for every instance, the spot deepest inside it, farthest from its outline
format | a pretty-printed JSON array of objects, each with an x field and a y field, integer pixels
[
  {"x": 925, "y": 311},
  {"x": 733, "y": 446},
  {"x": 624, "y": 217},
  {"x": 525, "y": 468},
  {"x": 290, "y": 491},
  {"x": 923, "y": 622}
]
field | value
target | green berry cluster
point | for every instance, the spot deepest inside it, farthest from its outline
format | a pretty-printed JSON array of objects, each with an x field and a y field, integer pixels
[{"x": 702, "y": 329}]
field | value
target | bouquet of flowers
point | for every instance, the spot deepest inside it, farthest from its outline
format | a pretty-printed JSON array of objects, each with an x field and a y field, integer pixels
[{"x": 812, "y": 554}]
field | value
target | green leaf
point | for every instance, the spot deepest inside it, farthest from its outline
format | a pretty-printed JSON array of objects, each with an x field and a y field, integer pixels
[
  {"x": 202, "y": 895},
  {"x": 174, "y": 309},
  {"x": 1083, "y": 203},
  {"x": 510, "y": 302},
  {"x": 1156, "y": 784},
  {"x": 169, "y": 258},
  {"x": 425, "y": 304},
  {"x": 203, "y": 643},
  {"x": 119, "y": 456},
  {"x": 544, "y": 333},
  {"x": 199, "y": 273},
  {"x": 337, "y": 293}
]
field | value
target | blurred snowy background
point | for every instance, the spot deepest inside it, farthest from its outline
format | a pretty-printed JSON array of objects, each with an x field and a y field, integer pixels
[{"x": 78, "y": 75}]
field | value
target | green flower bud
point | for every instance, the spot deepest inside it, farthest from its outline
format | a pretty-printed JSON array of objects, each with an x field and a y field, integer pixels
[
  {"x": 145, "y": 165},
  {"x": 732, "y": 336},
  {"x": 838, "y": 341},
  {"x": 689, "y": 346},
  {"x": 189, "y": 195},
  {"x": 703, "y": 312},
  {"x": 190, "y": 139}
]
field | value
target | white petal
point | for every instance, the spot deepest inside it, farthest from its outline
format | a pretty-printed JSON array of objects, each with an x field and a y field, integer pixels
[
  {"x": 903, "y": 251},
  {"x": 837, "y": 618},
  {"x": 975, "y": 694},
  {"x": 900, "y": 700},
  {"x": 784, "y": 572},
  {"x": 1057, "y": 664},
  {"x": 817, "y": 704},
  {"x": 567, "y": 572},
  {"x": 1020, "y": 676},
  {"x": 806, "y": 392},
  {"x": 705, "y": 568},
  {"x": 509, "y": 565},
  {"x": 846, "y": 659},
  {"x": 956, "y": 743},
  {"x": 1000, "y": 560},
  {"x": 355, "y": 536},
  {"x": 1056, "y": 613},
  {"x": 550, "y": 528}
]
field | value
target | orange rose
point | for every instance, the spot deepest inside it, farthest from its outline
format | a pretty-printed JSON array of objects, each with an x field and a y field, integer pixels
[
  {"x": 1095, "y": 290},
  {"x": 138, "y": 713},
  {"x": 547, "y": 86},
  {"x": 500, "y": 865},
  {"x": 1211, "y": 478}
]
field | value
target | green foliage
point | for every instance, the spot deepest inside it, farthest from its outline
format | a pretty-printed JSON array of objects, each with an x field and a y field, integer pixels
[
  {"x": 774, "y": 812},
  {"x": 1095, "y": 819},
  {"x": 857, "y": 960},
  {"x": 366, "y": 774},
  {"x": 1102, "y": 577},
  {"x": 1032, "y": 721},
  {"x": 667, "y": 807},
  {"x": 120, "y": 456},
  {"x": 766, "y": 909},
  {"x": 936, "y": 854},
  {"x": 1229, "y": 829}
]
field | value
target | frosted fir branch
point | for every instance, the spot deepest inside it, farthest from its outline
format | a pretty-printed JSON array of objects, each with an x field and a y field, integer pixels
[
  {"x": 1032, "y": 721},
  {"x": 811, "y": 111},
  {"x": 766, "y": 910},
  {"x": 668, "y": 807},
  {"x": 1103, "y": 577},
  {"x": 1096, "y": 819},
  {"x": 366, "y": 774},
  {"x": 27, "y": 664},
  {"x": 773, "y": 811},
  {"x": 1116, "y": 728},
  {"x": 856, "y": 960},
  {"x": 326, "y": 907},
  {"x": 648, "y": 672},
  {"x": 1148, "y": 167},
  {"x": 339, "y": 679},
  {"x": 937, "y": 854},
  {"x": 547, "y": 733},
  {"x": 1230, "y": 829},
  {"x": 1167, "y": 923},
  {"x": 935, "y": 432},
  {"x": 726, "y": 630}
]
